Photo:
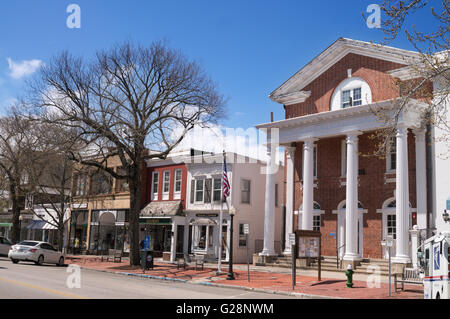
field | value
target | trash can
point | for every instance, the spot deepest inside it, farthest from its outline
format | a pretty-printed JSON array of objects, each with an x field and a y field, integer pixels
[{"x": 146, "y": 259}]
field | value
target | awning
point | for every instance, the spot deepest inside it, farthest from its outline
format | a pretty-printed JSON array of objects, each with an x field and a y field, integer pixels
[
  {"x": 40, "y": 224},
  {"x": 5, "y": 224},
  {"x": 202, "y": 221},
  {"x": 160, "y": 209}
]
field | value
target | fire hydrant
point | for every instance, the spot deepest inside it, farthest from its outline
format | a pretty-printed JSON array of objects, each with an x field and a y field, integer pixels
[{"x": 349, "y": 274}]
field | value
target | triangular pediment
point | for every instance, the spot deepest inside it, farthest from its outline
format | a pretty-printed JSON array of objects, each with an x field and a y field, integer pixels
[{"x": 339, "y": 49}]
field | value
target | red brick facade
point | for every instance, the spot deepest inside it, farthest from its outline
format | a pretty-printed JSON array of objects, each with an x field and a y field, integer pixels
[
  {"x": 161, "y": 170},
  {"x": 373, "y": 189}
]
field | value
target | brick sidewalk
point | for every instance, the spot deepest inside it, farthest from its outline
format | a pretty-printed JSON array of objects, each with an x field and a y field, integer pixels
[{"x": 258, "y": 279}]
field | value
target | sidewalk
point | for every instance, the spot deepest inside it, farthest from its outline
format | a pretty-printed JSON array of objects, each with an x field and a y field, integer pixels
[{"x": 273, "y": 280}]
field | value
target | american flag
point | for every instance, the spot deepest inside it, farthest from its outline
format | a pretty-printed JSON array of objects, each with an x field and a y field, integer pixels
[{"x": 225, "y": 183}]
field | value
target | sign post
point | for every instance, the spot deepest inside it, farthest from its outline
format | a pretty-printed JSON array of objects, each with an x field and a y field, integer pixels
[
  {"x": 292, "y": 242},
  {"x": 389, "y": 242},
  {"x": 246, "y": 231}
]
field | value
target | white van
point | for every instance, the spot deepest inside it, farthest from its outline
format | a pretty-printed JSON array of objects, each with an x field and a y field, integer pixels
[{"x": 436, "y": 266}]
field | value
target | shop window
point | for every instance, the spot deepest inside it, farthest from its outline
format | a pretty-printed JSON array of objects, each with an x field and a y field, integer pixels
[
  {"x": 155, "y": 185},
  {"x": 242, "y": 236},
  {"x": 245, "y": 191}
]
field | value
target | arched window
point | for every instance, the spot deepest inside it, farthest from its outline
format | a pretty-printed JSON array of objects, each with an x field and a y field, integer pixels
[
  {"x": 352, "y": 91},
  {"x": 342, "y": 205}
]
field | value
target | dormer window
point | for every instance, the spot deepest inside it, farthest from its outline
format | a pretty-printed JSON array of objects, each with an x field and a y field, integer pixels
[{"x": 351, "y": 97}]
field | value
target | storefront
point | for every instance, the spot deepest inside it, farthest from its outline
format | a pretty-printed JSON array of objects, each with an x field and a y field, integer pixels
[
  {"x": 203, "y": 238},
  {"x": 164, "y": 223},
  {"x": 5, "y": 229},
  {"x": 78, "y": 231},
  {"x": 108, "y": 231}
]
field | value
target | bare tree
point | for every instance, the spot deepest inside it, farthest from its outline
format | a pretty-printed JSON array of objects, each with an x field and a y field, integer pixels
[
  {"x": 16, "y": 141},
  {"x": 429, "y": 79},
  {"x": 125, "y": 101}
]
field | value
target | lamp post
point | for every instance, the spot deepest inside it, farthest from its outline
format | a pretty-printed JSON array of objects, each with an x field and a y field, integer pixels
[
  {"x": 20, "y": 226},
  {"x": 230, "y": 263}
]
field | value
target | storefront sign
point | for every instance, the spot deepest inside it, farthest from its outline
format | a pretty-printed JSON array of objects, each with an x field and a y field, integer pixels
[
  {"x": 80, "y": 206},
  {"x": 156, "y": 221},
  {"x": 207, "y": 215}
]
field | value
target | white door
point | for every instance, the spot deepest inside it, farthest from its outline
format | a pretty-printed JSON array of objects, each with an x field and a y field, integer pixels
[{"x": 389, "y": 228}]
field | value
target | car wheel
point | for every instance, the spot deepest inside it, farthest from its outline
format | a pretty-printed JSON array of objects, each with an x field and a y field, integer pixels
[
  {"x": 61, "y": 262},
  {"x": 40, "y": 260},
  {"x": 15, "y": 261}
]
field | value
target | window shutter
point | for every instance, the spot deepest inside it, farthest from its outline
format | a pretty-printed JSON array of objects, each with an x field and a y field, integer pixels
[
  {"x": 208, "y": 197},
  {"x": 192, "y": 190}
]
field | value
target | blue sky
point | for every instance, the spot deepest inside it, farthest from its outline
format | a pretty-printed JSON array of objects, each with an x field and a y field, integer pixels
[{"x": 248, "y": 47}]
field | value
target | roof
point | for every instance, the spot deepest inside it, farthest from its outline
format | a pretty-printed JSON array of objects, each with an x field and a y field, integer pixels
[
  {"x": 292, "y": 88},
  {"x": 163, "y": 208}
]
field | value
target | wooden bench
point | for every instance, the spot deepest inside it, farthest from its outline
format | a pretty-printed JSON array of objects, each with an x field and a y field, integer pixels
[
  {"x": 114, "y": 254},
  {"x": 199, "y": 261},
  {"x": 408, "y": 276}
]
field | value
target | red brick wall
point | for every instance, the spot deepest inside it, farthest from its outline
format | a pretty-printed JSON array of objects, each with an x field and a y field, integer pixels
[
  {"x": 373, "y": 71},
  {"x": 172, "y": 169},
  {"x": 372, "y": 191}
]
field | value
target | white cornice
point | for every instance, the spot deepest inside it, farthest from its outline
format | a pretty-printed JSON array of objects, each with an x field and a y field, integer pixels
[
  {"x": 291, "y": 98},
  {"x": 334, "y": 53}
]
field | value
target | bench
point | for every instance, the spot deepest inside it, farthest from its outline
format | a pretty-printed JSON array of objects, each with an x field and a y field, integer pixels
[
  {"x": 199, "y": 261},
  {"x": 114, "y": 254},
  {"x": 408, "y": 276},
  {"x": 181, "y": 263}
]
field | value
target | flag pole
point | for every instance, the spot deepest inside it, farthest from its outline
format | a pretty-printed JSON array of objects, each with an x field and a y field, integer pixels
[{"x": 219, "y": 259}]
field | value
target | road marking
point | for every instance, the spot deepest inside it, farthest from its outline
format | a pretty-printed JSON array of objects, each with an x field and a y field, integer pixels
[
  {"x": 49, "y": 290},
  {"x": 239, "y": 295}
]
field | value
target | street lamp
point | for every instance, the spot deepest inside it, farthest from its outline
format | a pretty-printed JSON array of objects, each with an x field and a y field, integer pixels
[
  {"x": 230, "y": 263},
  {"x": 20, "y": 226}
]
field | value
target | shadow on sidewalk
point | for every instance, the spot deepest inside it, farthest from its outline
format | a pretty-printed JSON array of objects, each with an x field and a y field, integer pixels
[{"x": 328, "y": 282}]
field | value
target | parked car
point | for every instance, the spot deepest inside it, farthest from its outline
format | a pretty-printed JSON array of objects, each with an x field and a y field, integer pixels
[
  {"x": 36, "y": 251},
  {"x": 5, "y": 246}
]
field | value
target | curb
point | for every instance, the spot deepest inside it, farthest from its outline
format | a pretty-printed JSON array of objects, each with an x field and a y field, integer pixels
[{"x": 211, "y": 284}]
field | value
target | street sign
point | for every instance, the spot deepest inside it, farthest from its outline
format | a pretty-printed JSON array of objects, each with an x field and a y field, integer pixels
[
  {"x": 246, "y": 229},
  {"x": 292, "y": 238}
]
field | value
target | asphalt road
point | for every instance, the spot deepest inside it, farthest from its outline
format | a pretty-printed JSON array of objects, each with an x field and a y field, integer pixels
[{"x": 28, "y": 281}]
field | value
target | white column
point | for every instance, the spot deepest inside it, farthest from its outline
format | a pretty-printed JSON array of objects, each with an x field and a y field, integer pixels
[
  {"x": 402, "y": 198},
  {"x": 421, "y": 179},
  {"x": 269, "y": 211},
  {"x": 308, "y": 184},
  {"x": 351, "y": 208},
  {"x": 290, "y": 157},
  {"x": 173, "y": 246}
]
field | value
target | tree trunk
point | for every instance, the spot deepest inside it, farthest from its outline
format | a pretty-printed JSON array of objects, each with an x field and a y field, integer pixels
[
  {"x": 15, "y": 232},
  {"x": 135, "y": 210}
]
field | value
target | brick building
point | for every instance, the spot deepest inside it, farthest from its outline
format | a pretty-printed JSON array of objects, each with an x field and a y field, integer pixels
[{"x": 332, "y": 183}]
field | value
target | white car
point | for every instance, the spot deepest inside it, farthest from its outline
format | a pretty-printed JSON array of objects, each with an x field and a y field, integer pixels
[
  {"x": 38, "y": 252},
  {"x": 5, "y": 246}
]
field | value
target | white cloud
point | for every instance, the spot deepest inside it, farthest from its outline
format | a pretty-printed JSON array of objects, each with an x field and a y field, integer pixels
[{"x": 23, "y": 68}]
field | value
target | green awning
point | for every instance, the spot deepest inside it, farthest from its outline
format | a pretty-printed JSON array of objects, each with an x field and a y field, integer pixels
[{"x": 5, "y": 224}]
